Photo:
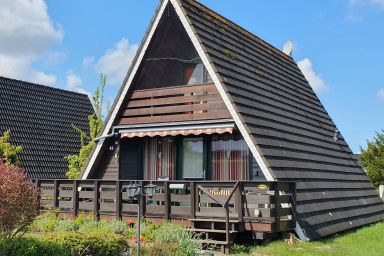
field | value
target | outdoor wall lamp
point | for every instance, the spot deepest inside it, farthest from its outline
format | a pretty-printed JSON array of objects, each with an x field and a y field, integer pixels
[{"x": 134, "y": 192}]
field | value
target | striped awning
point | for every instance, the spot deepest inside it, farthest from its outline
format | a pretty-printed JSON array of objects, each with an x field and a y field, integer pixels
[{"x": 175, "y": 132}]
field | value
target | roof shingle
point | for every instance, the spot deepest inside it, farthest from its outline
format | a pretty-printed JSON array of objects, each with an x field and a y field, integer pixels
[
  {"x": 40, "y": 119},
  {"x": 289, "y": 125}
]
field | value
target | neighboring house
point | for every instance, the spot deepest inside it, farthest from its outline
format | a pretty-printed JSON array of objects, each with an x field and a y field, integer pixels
[
  {"x": 206, "y": 99},
  {"x": 40, "y": 119}
]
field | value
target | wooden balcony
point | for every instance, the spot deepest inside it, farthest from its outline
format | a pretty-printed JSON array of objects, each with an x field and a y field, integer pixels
[
  {"x": 218, "y": 210},
  {"x": 172, "y": 104}
]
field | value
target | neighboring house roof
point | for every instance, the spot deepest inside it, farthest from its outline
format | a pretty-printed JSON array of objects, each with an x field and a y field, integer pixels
[
  {"x": 40, "y": 119},
  {"x": 280, "y": 117}
]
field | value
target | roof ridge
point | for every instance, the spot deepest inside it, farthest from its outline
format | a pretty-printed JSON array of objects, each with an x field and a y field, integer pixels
[
  {"x": 237, "y": 27},
  {"x": 42, "y": 85}
]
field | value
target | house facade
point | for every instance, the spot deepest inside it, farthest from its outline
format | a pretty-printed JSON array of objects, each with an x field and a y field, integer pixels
[{"x": 207, "y": 100}]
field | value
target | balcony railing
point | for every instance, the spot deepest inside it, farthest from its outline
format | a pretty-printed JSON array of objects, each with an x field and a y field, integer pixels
[
  {"x": 171, "y": 104},
  {"x": 257, "y": 206}
]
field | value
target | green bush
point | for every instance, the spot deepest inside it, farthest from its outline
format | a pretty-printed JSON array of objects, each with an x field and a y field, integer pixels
[
  {"x": 158, "y": 249},
  {"x": 89, "y": 243},
  {"x": 31, "y": 246},
  {"x": 86, "y": 234},
  {"x": 45, "y": 222},
  {"x": 185, "y": 240},
  {"x": 49, "y": 222},
  {"x": 97, "y": 243}
]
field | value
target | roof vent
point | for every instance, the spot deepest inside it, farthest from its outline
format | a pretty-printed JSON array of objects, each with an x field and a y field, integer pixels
[
  {"x": 287, "y": 48},
  {"x": 336, "y": 136}
]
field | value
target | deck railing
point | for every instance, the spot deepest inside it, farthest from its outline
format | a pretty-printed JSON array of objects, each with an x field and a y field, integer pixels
[
  {"x": 248, "y": 202},
  {"x": 178, "y": 103}
]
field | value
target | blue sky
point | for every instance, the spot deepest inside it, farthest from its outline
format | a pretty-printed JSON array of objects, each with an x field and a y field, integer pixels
[{"x": 339, "y": 45}]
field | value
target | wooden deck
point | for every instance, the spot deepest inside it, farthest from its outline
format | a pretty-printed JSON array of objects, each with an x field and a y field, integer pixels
[{"x": 217, "y": 210}]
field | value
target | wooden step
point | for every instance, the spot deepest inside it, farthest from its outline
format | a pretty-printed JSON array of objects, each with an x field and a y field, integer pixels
[
  {"x": 212, "y": 230},
  {"x": 217, "y": 242},
  {"x": 215, "y": 220}
]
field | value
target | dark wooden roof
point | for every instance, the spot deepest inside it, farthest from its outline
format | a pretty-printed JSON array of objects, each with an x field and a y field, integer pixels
[
  {"x": 40, "y": 119},
  {"x": 289, "y": 125}
]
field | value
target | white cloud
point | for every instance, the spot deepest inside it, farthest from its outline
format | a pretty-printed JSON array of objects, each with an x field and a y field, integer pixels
[
  {"x": 313, "y": 79},
  {"x": 74, "y": 83},
  {"x": 42, "y": 78},
  {"x": 376, "y": 3},
  {"x": 380, "y": 94},
  {"x": 115, "y": 62},
  {"x": 27, "y": 33}
]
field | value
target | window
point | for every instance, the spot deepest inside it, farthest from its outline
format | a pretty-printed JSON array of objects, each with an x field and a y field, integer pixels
[
  {"x": 159, "y": 158},
  {"x": 193, "y": 158},
  {"x": 230, "y": 157},
  {"x": 196, "y": 74}
]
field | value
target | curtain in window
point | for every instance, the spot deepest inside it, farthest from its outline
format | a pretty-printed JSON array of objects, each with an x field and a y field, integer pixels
[
  {"x": 159, "y": 158},
  {"x": 230, "y": 157}
]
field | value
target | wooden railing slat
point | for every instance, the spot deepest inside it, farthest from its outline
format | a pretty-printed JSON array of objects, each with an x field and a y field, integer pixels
[
  {"x": 174, "y": 100},
  {"x": 175, "y": 109},
  {"x": 174, "y": 90},
  {"x": 222, "y": 114}
]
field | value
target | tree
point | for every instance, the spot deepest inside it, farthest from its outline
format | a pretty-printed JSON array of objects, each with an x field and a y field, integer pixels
[
  {"x": 76, "y": 163},
  {"x": 19, "y": 201},
  {"x": 8, "y": 152},
  {"x": 373, "y": 159}
]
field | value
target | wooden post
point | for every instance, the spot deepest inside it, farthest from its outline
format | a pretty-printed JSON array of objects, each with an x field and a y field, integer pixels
[
  {"x": 277, "y": 207},
  {"x": 193, "y": 200},
  {"x": 118, "y": 199},
  {"x": 166, "y": 200},
  {"x": 56, "y": 194},
  {"x": 239, "y": 205},
  {"x": 226, "y": 223},
  {"x": 96, "y": 202},
  {"x": 38, "y": 187},
  {"x": 75, "y": 198}
]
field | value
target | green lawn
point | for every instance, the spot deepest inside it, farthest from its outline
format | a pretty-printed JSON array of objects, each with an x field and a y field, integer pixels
[{"x": 364, "y": 241}]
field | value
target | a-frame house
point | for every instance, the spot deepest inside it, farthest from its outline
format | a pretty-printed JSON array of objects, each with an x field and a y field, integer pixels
[{"x": 206, "y": 99}]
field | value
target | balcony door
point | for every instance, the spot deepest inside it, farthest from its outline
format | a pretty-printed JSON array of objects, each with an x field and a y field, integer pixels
[{"x": 193, "y": 158}]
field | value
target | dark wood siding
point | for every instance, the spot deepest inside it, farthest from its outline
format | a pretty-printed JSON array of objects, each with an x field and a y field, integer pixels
[
  {"x": 255, "y": 172},
  {"x": 289, "y": 125},
  {"x": 108, "y": 165},
  {"x": 130, "y": 159}
]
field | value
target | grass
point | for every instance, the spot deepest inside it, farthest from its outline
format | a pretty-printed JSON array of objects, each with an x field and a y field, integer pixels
[{"x": 364, "y": 241}]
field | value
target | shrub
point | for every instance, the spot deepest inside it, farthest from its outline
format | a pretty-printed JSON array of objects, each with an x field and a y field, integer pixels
[
  {"x": 8, "y": 152},
  {"x": 45, "y": 222},
  {"x": 158, "y": 249},
  {"x": 373, "y": 159},
  {"x": 185, "y": 240},
  {"x": 97, "y": 242},
  {"x": 76, "y": 163},
  {"x": 19, "y": 201},
  {"x": 31, "y": 246},
  {"x": 49, "y": 221}
]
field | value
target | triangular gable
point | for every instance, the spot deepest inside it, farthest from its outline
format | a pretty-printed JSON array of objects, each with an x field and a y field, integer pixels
[{"x": 121, "y": 98}]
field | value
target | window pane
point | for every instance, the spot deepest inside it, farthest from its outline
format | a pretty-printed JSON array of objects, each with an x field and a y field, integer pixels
[
  {"x": 193, "y": 158},
  {"x": 159, "y": 158},
  {"x": 194, "y": 74},
  {"x": 230, "y": 157}
]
